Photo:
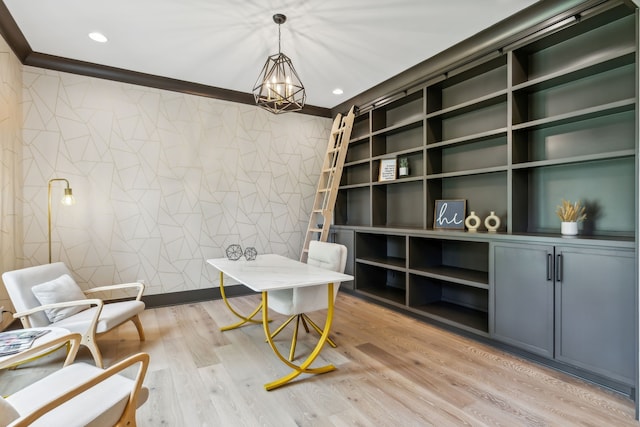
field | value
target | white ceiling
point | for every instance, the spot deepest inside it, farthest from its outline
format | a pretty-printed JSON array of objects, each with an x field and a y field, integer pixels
[{"x": 350, "y": 44}]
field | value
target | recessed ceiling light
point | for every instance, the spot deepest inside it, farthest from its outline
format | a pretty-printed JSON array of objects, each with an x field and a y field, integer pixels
[
  {"x": 98, "y": 37},
  {"x": 338, "y": 91}
]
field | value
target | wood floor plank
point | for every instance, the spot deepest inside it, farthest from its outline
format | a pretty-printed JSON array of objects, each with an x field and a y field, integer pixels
[{"x": 392, "y": 370}]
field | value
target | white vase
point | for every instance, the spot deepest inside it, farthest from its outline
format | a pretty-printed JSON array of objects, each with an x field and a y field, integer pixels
[
  {"x": 472, "y": 222},
  {"x": 569, "y": 228},
  {"x": 492, "y": 222}
]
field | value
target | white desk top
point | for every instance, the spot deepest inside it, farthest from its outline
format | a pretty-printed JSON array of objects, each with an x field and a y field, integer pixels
[{"x": 271, "y": 272}]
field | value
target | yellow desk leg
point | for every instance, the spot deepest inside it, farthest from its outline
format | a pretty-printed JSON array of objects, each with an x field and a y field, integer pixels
[
  {"x": 304, "y": 367},
  {"x": 245, "y": 319}
]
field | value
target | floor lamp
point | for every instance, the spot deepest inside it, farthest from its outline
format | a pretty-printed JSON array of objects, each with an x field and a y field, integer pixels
[{"x": 67, "y": 200}]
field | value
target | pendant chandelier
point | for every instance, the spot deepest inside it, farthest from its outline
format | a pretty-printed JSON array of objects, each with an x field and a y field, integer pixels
[{"x": 278, "y": 88}]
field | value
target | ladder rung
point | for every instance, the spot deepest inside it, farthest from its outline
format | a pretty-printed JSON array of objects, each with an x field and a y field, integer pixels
[
  {"x": 315, "y": 230},
  {"x": 318, "y": 210},
  {"x": 329, "y": 170},
  {"x": 323, "y": 190}
]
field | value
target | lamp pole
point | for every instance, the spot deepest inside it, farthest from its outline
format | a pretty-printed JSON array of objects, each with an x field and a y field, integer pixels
[{"x": 67, "y": 200}]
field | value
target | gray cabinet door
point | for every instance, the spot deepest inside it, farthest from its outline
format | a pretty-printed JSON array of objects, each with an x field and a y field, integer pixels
[
  {"x": 595, "y": 310},
  {"x": 523, "y": 297}
]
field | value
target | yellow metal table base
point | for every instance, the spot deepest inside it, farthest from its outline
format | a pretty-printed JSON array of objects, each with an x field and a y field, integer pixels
[
  {"x": 245, "y": 319},
  {"x": 303, "y": 368}
]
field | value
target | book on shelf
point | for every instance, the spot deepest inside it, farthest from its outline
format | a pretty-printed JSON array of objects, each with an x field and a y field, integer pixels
[{"x": 12, "y": 342}]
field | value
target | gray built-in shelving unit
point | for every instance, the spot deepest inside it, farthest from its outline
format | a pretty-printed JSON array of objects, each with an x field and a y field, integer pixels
[{"x": 550, "y": 116}]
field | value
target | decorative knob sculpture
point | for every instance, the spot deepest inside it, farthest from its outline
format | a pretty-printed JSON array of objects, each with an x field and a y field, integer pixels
[
  {"x": 492, "y": 222},
  {"x": 472, "y": 222}
]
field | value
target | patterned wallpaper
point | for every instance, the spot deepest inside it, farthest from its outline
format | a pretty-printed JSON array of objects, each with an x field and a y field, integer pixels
[
  {"x": 10, "y": 167},
  {"x": 162, "y": 180}
]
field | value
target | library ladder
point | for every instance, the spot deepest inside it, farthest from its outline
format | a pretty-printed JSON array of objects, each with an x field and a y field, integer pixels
[{"x": 329, "y": 181}]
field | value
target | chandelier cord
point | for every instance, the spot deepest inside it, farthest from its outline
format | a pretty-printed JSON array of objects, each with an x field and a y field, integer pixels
[{"x": 279, "y": 38}]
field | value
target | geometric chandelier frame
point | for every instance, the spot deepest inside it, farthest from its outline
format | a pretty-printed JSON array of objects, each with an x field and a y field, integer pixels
[{"x": 278, "y": 88}]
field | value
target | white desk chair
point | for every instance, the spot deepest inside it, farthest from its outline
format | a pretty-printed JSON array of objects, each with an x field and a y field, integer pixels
[
  {"x": 298, "y": 301},
  {"x": 78, "y": 394},
  {"x": 47, "y": 295}
]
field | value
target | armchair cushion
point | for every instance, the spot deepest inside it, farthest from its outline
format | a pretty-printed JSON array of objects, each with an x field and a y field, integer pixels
[
  {"x": 7, "y": 412},
  {"x": 62, "y": 289},
  {"x": 102, "y": 405}
]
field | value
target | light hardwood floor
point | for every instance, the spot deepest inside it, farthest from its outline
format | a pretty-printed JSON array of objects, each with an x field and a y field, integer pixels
[{"x": 392, "y": 371}]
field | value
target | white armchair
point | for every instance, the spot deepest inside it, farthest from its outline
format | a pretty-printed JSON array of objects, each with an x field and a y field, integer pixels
[
  {"x": 78, "y": 394},
  {"x": 46, "y": 295},
  {"x": 298, "y": 301}
]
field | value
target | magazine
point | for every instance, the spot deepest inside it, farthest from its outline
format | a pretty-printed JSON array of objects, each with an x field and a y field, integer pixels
[{"x": 12, "y": 342}]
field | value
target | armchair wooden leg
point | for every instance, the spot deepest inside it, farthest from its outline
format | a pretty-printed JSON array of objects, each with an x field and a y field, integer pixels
[
  {"x": 95, "y": 351},
  {"x": 136, "y": 321}
]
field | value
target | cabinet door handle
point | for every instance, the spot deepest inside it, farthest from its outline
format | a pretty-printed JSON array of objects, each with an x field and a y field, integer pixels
[
  {"x": 549, "y": 267},
  {"x": 559, "y": 268}
]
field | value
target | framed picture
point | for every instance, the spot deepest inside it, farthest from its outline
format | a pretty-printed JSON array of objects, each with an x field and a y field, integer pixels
[
  {"x": 449, "y": 214},
  {"x": 387, "y": 170}
]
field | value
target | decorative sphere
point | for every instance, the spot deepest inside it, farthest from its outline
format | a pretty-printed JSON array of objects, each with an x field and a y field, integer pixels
[
  {"x": 234, "y": 252},
  {"x": 250, "y": 253}
]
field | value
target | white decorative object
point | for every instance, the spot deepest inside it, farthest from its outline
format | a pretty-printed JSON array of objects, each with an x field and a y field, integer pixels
[
  {"x": 472, "y": 222},
  {"x": 569, "y": 228},
  {"x": 403, "y": 169},
  {"x": 492, "y": 222}
]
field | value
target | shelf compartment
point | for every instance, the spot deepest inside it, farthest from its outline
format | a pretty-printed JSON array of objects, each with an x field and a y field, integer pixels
[
  {"x": 616, "y": 107},
  {"x": 590, "y": 42},
  {"x": 484, "y": 193},
  {"x": 477, "y": 154},
  {"x": 461, "y": 124},
  {"x": 400, "y": 139},
  {"x": 398, "y": 204},
  {"x": 360, "y": 127},
  {"x": 574, "y": 139},
  {"x": 465, "y": 262},
  {"x": 358, "y": 150},
  {"x": 382, "y": 248},
  {"x": 355, "y": 174},
  {"x": 469, "y": 86},
  {"x": 416, "y": 165},
  {"x": 580, "y": 96},
  {"x": 406, "y": 109},
  {"x": 605, "y": 187},
  {"x": 452, "y": 303},
  {"x": 380, "y": 282},
  {"x": 353, "y": 207}
]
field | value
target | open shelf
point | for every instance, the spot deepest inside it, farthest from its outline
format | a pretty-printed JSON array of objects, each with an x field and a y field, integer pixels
[
  {"x": 358, "y": 150},
  {"x": 353, "y": 206},
  {"x": 355, "y": 173},
  {"x": 400, "y": 139},
  {"x": 448, "y": 302},
  {"x": 464, "y": 261},
  {"x": 606, "y": 187},
  {"x": 382, "y": 248},
  {"x": 468, "y": 88},
  {"x": 406, "y": 109},
  {"x": 381, "y": 282},
  {"x": 477, "y": 154},
  {"x": 394, "y": 204}
]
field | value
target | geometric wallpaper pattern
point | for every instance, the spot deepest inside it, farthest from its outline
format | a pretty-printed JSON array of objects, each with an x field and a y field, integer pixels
[
  {"x": 162, "y": 180},
  {"x": 10, "y": 167}
]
